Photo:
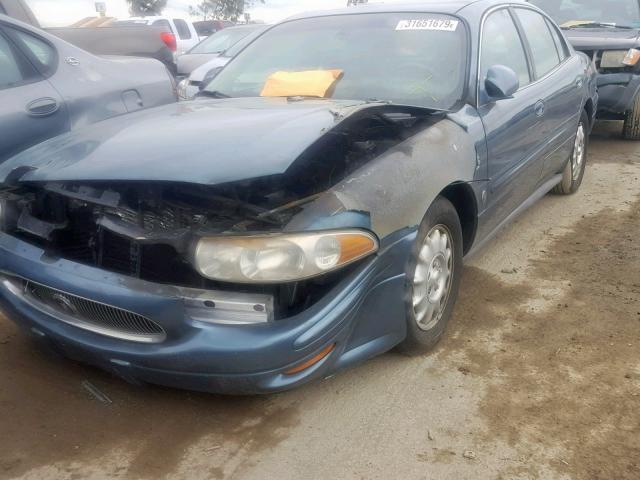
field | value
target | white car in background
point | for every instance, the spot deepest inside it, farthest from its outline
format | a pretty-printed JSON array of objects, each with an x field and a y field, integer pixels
[
  {"x": 200, "y": 77},
  {"x": 186, "y": 34}
]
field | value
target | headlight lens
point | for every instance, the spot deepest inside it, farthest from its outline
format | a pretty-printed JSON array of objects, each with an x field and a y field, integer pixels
[
  {"x": 280, "y": 258},
  {"x": 620, "y": 58}
]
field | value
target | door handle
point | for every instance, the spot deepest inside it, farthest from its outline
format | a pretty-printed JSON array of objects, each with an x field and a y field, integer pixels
[
  {"x": 43, "y": 107},
  {"x": 579, "y": 83},
  {"x": 539, "y": 108}
]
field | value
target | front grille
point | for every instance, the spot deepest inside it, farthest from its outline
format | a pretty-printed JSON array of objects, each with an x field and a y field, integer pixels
[{"x": 93, "y": 316}]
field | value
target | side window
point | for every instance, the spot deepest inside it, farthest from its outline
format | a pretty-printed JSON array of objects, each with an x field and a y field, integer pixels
[
  {"x": 183, "y": 29},
  {"x": 162, "y": 23},
  {"x": 10, "y": 73},
  {"x": 501, "y": 45},
  {"x": 559, "y": 40},
  {"x": 543, "y": 47},
  {"x": 44, "y": 53}
]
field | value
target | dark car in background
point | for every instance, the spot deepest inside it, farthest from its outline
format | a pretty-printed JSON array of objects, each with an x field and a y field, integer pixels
[
  {"x": 49, "y": 87},
  {"x": 206, "y": 28},
  {"x": 312, "y": 213},
  {"x": 608, "y": 31},
  {"x": 157, "y": 41}
]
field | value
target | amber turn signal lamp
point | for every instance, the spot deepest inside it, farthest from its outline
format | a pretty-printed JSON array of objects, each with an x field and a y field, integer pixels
[
  {"x": 632, "y": 57},
  {"x": 353, "y": 247},
  {"x": 312, "y": 361}
]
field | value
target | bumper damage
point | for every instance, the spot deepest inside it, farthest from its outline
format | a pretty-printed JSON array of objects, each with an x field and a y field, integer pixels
[{"x": 358, "y": 317}]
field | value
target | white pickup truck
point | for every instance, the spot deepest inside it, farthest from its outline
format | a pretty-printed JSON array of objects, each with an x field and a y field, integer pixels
[{"x": 184, "y": 31}]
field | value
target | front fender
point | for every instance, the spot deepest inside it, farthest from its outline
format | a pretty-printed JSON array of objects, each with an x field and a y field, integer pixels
[{"x": 395, "y": 190}]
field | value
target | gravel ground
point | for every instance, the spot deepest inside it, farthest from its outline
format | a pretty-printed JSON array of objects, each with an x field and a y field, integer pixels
[{"x": 538, "y": 377}]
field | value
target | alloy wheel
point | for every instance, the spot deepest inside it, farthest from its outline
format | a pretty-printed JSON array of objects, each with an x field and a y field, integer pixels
[
  {"x": 578, "y": 153},
  {"x": 432, "y": 278}
]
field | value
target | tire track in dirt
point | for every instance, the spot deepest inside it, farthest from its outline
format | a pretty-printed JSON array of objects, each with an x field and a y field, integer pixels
[{"x": 564, "y": 381}]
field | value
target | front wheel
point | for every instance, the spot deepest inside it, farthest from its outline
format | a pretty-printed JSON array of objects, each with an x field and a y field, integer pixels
[
  {"x": 631, "y": 129},
  {"x": 433, "y": 277},
  {"x": 574, "y": 171}
]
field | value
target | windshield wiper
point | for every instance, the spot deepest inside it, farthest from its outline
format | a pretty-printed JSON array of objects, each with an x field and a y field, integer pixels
[
  {"x": 597, "y": 25},
  {"x": 213, "y": 94}
]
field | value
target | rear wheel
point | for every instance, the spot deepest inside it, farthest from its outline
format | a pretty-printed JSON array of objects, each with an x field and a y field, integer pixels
[
  {"x": 631, "y": 129},
  {"x": 433, "y": 277},
  {"x": 574, "y": 171}
]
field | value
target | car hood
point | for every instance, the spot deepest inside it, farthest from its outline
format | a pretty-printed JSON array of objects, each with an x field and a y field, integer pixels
[
  {"x": 204, "y": 141},
  {"x": 199, "y": 73},
  {"x": 602, "y": 38},
  {"x": 188, "y": 62}
]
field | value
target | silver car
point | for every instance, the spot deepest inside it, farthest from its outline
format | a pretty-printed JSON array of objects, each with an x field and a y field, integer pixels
[
  {"x": 199, "y": 78},
  {"x": 48, "y": 86},
  {"x": 212, "y": 47}
]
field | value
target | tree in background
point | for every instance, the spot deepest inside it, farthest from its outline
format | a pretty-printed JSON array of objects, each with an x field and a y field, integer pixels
[
  {"x": 222, "y": 9},
  {"x": 142, "y": 8}
]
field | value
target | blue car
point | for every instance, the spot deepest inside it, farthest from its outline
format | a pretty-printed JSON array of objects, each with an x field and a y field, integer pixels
[{"x": 309, "y": 211}]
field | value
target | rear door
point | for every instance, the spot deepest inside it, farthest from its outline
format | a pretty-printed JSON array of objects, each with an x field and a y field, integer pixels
[
  {"x": 185, "y": 37},
  {"x": 562, "y": 77},
  {"x": 514, "y": 129},
  {"x": 31, "y": 109}
]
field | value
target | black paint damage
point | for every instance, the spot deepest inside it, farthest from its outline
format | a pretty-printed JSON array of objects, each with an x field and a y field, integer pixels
[{"x": 146, "y": 229}]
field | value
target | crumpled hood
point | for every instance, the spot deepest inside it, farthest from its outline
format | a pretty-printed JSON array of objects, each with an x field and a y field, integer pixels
[
  {"x": 205, "y": 142},
  {"x": 602, "y": 38}
]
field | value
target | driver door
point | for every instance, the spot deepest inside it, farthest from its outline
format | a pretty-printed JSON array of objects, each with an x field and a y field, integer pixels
[{"x": 513, "y": 126}]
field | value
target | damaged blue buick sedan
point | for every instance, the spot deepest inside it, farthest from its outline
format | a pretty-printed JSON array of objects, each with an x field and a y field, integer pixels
[{"x": 309, "y": 211}]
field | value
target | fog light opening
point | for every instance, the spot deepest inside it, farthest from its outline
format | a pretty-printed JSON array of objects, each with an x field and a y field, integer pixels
[{"x": 312, "y": 361}]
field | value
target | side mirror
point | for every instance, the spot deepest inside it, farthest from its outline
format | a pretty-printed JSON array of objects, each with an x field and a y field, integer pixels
[
  {"x": 211, "y": 74},
  {"x": 501, "y": 82}
]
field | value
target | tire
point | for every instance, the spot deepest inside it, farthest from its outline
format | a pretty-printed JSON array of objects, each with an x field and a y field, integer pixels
[
  {"x": 574, "y": 171},
  {"x": 631, "y": 129},
  {"x": 429, "y": 260}
]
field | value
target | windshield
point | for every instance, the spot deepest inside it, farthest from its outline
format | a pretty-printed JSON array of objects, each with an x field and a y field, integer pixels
[
  {"x": 222, "y": 40},
  {"x": 238, "y": 46},
  {"x": 569, "y": 13},
  {"x": 411, "y": 59}
]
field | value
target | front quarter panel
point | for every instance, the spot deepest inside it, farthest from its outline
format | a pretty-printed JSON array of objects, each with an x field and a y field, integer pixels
[{"x": 395, "y": 190}]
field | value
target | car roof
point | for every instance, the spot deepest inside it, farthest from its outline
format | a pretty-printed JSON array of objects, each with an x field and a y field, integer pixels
[
  {"x": 251, "y": 26},
  {"x": 430, "y": 6}
]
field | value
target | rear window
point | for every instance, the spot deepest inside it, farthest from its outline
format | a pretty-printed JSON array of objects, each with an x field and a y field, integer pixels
[
  {"x": 134, "y": 23},
  {"x": 45, "y": 55},
  {"x": 183, "y": 29},
  {"x": 10, "y": 73}
]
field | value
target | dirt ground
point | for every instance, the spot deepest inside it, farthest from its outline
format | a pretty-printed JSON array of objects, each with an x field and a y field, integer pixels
[{"x": 538, "y": 377}]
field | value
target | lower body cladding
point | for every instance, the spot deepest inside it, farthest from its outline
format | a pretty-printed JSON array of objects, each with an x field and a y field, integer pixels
[{"x": 177, "y": 337}]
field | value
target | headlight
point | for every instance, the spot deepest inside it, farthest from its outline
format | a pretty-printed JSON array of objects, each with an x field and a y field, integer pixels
[
  {"x": 182, "y": 89},
  {"x": 620, "y": 58},
  {"x": 280, "y": 258},
  {"x": 211, "y": 74}
]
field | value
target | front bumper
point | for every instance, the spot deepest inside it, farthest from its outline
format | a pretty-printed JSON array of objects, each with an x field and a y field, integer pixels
[
  {"x": 617, "y": 92},
  {"x": 363, "y": 316}
]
